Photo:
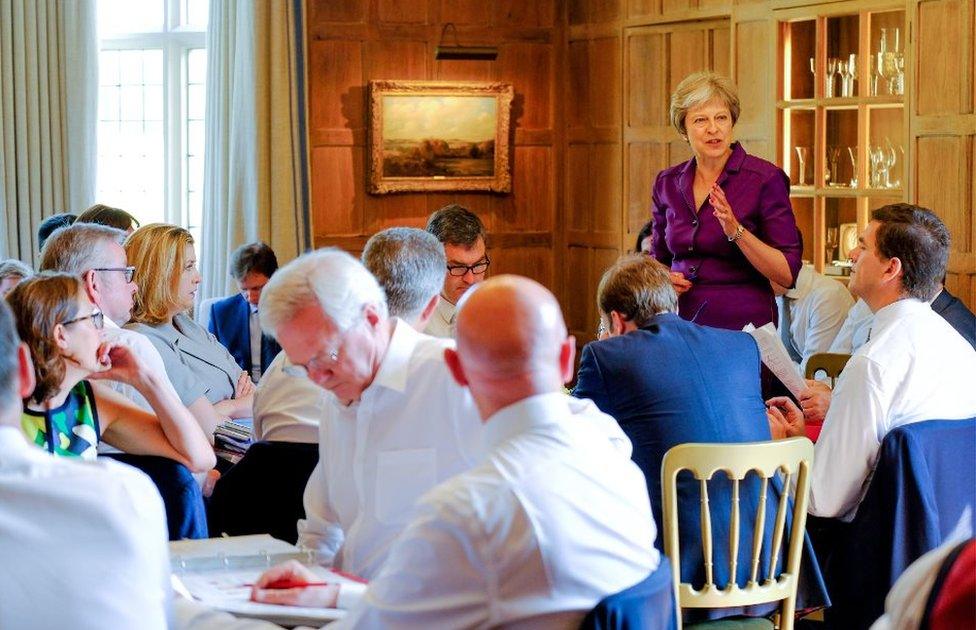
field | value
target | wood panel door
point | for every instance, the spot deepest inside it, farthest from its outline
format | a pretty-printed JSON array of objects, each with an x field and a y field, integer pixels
[{"x": 942, "y": 128}]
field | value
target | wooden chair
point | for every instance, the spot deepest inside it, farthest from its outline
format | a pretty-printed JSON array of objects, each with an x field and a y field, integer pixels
[
  {"x": 793, "y": 459},
  {"x": 831, "y": 363}
]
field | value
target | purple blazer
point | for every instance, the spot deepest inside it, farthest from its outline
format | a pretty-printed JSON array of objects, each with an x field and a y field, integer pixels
[{"x": 727, "y": 291}]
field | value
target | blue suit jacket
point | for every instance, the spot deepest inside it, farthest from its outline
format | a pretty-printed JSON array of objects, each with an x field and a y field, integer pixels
[
  {"x": 674, "y": 382},
  {"x": 229, "y": 323},
  {"x": 959, "y": 317}
]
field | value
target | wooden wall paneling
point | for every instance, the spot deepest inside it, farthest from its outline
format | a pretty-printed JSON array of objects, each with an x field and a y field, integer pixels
[
  {"x": 576, "y": 299},
  {"x": 602, "y": 11},
  {"x": 942, "y": 127},
  {"x": 721, "y": 50},
  {"x": 530, "y": 66},
  {"x": 532, "y": 262},
  {"x": 687, "y": 53},
  {"x": 402, "y": 11},
  {"x": 541, "y": 13},
  {"x": 528, "y": 212},
  {"x": 338, "y": 68},
  {"x": 606, "y": 175},
  {"x": 605, "y": 78},
  {"x": 337, "y": 195},
  {"x": 577, "y": 95},
  {"x": 643, "y": 8},
  {"x": 647, "y": 83},
  {"x": 578, "y": 198},
  {"x": 465, "y": 11},
  {"x": 338, "y": 11},
  {"x": 397, "y": 59}
]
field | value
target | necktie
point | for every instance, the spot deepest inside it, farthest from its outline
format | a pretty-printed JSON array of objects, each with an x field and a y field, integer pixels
[{"x": 785, "y": 319}]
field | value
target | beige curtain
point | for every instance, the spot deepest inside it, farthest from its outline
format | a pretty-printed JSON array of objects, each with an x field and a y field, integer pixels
[
  {"x": 255, "y": 166},
  {"x": 48, "y": 101}
]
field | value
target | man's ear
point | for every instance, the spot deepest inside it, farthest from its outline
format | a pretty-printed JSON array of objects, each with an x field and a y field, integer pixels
[
  {"x": 567, "y": 354},
  {"x": 893, "y": 269},
  {"x": 428, "y": 312},
  {"x": 25, "y": 372},
  {"x": 454, "y": 365},
  {"x": 617, "y": 324},
  {"x": 372, "y": 316},
  {"x": 92, "y": 285}
]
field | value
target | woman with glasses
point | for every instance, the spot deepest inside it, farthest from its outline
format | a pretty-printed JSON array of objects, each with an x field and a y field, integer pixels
[
  {"x": 68, "y": 415},
  {"x": 168, "y": 279}
]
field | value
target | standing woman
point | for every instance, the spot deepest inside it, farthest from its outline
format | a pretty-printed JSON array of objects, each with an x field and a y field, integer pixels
[
  {"x": 722, "y": 220},
  {"x": 167, "y": 276}
]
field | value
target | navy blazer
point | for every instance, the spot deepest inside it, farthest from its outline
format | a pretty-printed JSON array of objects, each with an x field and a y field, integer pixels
[
  {"x": 959, "y": 317},
  {"x": 229, "y": 323},
  {"x": 674, "y": 382}
]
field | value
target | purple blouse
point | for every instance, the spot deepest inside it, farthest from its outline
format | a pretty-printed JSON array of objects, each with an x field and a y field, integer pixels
[{"x": 727, "y": 291}]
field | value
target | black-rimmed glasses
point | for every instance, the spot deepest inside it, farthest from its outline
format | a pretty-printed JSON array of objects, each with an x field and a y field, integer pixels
[
  {"x": 477, "y": 269},
  {"x": 128, "y": 271},
  {"x": 97, "y": 318}
]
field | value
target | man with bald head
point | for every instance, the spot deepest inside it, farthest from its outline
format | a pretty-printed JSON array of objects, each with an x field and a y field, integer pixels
[{"x": 554, "y": 517}]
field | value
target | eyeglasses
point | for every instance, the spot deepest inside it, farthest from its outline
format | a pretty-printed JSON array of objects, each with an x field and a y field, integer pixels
[
  {"x": 317, "y": 363},
  {"x": 601, "y": 330},
  {"x": 128, "y": 271},
  {"x": 477, "y": 269},
  {"x": 97, "y": 318}
]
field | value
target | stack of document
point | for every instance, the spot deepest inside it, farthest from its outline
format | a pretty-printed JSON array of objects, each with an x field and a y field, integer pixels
[{"x": 232, "y": 438}]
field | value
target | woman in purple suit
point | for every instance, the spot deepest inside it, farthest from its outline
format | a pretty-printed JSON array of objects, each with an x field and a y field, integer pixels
[{"x": 722, "y": 220}]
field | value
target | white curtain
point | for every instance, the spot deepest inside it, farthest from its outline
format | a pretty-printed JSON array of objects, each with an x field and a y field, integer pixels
[
  {"x": 48, "y": 101},
  {"x": 255, "y": 166}
]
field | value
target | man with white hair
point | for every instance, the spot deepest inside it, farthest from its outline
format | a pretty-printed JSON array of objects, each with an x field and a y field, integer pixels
[
  {"x": 395, "y": 424},
  {"x": 553, "y": 519},
  {"x": 409, "y": 265}
]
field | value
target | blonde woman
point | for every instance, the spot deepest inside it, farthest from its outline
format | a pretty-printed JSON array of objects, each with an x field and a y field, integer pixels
[
  {"x": 66, "y": 414},
  {"x": 168, "y": 279}
]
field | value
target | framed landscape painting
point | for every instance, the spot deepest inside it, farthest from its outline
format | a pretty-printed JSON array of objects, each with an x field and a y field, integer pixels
[{"x": 436, "y": 136}]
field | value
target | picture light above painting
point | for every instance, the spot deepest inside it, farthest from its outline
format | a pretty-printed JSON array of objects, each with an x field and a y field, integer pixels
[{"x": 431, "y": 136}]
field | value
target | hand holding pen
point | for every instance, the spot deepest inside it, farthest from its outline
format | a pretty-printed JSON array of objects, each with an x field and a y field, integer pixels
[{"x": 293, "y": 584}]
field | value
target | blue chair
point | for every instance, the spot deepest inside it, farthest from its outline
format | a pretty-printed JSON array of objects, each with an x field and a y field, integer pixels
[
  {"x": 186, "y": 516},
  {"x": 923, "y": 488},
  {"x": 649, "y": 605}
]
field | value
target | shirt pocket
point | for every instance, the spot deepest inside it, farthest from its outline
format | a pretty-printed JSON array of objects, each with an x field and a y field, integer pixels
[{"x": 402, "y": 476}]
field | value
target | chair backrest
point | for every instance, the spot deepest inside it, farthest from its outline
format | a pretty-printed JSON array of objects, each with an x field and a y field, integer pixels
[
  {"x": 201, "y": 312},
  {"x": 792, "y": 460},
  {"x": 831, "y": 363}
]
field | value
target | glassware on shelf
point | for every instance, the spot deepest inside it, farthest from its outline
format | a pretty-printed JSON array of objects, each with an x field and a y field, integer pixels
[
  {"x": 802, "y": 153},
  {"x": 851, "y": 73},
  {"x": 852, "y": 152},
  {"x": 830, "y": 175},
  {"x": 831, "y": 71},
  {"x": 845, "y": 75},
  {"x": 890, "y": 63},
  {"x": 830, "y": 242},
  {"x": 890, "y": 159},
  {"x": 877, "y": 161}
]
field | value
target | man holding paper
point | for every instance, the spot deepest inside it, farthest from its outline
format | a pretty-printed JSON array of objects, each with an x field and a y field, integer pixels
[{"x": 914, "y": 366}]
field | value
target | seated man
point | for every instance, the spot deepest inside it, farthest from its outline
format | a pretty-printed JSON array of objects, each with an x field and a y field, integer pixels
[
  {"x": 854, "y": 331},
  {"x": 12, "y": 271},
  {"x": 668, "y": 381},
  {"x": 463, "y": 235},
  {"x": 234, "y": 320},
  {"x": 53, "y": 222},
  {"x": 409, "y": 265},
  {"x": 914, "y": 366},
  {"x": 811, "y": 314},
  {"x": 83, "y": 544},
  {"x": 553, "y": 519},
  {"x": 394, "y": 423}
]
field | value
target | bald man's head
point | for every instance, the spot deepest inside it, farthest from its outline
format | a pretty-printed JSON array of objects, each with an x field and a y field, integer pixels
[{"x": 511, "y": 341}]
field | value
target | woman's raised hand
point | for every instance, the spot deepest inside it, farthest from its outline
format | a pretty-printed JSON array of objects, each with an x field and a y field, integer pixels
[
  {"x": 244, "y": 387},
  {"x": 723, "y": 211},
  {"x": 679, "y": 282},
  {"x": 118, "y": 363}
]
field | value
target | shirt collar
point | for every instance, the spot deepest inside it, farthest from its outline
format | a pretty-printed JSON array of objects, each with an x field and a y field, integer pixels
[
  {"x": 896, "y": 310},
  {"x": 529, "y": 413},
  {"x": 395, "y": 367},
  {"x": 446, "y": 310},
  {"x": 108, "y": 323}
]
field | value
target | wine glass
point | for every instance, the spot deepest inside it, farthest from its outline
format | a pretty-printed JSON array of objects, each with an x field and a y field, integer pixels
[
  {"x": 831, "y": 243},
  {"x": 876, "y": 157},
  {"x": 890, "y": 158},
  {"x": 831, "y": 71},
  {"x": 844, "y": 74},
  {"x": 833, "y": 155},
  {"x": 852, "y": 73},
  {"x": 801, "y": 156},
  {"x": 852, "y": 152}
]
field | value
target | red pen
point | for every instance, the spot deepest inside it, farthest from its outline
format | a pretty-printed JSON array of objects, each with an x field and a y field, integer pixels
[{"x": 285, "y": 583}]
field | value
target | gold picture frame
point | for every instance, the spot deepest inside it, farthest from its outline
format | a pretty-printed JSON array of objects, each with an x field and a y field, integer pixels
[{"x": 431, "y": 136}]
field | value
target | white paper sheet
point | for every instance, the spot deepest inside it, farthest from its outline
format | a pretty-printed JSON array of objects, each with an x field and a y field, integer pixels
[{"x": 774, "y": 355}]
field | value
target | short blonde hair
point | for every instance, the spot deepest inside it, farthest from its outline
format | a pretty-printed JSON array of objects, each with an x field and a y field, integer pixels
[
  {"x": 638, "y": 287},
  {"x": 157, "y": 252},
  {"x": 697, "y": 89}
]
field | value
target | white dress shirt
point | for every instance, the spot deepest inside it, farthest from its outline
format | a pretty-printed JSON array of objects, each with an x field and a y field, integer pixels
[
  {"x": 818, "y": 307},
  {"x": 413, "y": 428},
  {"x": 915, "y": 367},
  {"x": 254, "y": 336},
  {"x": 287, "y": 408},
  {"x": 854, "y": 333},
  {"x": 556, "y": 518},
  {"x": 442, "y": 322},
  {"x": 82, "y": 544}
]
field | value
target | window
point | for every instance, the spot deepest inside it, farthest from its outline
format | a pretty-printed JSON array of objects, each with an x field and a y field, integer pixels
[{"x": 151, "y": 97}]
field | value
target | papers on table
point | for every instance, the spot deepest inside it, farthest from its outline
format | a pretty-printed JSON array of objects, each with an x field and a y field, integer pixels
[
  {"x": 233, "y": 437},
  {"x": 217, "y": 571},
  {"x": 774, "y": 355}
]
